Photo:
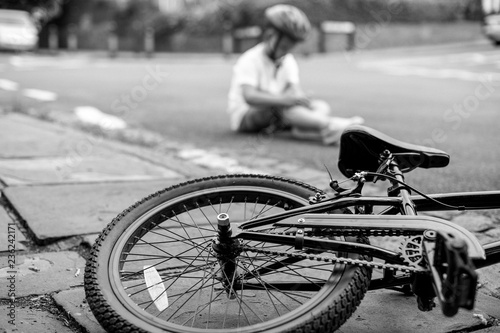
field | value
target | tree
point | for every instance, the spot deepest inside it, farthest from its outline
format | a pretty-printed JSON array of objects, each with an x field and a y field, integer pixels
[{"x": 41, "y": 10}]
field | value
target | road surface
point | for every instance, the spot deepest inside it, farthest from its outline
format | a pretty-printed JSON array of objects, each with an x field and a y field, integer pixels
[{"x": 446, "y": 97}]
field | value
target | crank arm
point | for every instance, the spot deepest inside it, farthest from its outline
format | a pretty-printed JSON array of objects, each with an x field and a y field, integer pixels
[{"x": 417, "y": 223}]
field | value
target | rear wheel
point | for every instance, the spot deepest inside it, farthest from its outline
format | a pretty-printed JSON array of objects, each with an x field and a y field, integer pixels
[{"x": 155, "y": 268}]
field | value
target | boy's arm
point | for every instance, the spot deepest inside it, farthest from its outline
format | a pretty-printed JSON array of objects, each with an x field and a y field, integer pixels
[
  {"x": 256, "y": 97},
  {"x": 295, "y": 89}
]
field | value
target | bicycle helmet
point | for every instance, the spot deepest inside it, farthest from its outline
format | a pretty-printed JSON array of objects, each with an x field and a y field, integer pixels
[{"x": 288, "y": 20}]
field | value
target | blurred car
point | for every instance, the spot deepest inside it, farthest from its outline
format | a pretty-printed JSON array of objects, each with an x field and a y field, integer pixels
[
  {"x": 18, "y": 32},
  {"x": 491, "y": 12},
  {"x": 492, "y": 28}
]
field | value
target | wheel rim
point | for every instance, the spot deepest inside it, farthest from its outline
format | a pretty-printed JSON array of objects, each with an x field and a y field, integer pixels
[{"x": 178, "y": 236}]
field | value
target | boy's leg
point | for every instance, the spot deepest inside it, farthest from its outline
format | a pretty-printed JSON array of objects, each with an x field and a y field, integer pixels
[
  {"x": 320, "y": 107},
  {"x": 305, "y": 118},
  {"x": 316, "y": 123},
  {"x": 258, "y": 119}
]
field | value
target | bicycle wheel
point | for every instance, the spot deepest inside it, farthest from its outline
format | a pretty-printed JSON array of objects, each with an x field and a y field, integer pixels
[{"x": 154, "y": 268}]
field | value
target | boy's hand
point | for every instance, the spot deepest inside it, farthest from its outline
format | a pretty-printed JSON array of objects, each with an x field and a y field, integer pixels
[{"x": 301, "y": 101}]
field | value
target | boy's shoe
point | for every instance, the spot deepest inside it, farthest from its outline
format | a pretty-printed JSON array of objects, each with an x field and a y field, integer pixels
[
  {"x": 347, "y": 121},
  {"x": 331, "y": 135}
]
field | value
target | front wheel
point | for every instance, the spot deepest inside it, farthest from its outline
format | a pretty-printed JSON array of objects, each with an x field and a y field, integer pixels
[{"x": 155, "y": 267}]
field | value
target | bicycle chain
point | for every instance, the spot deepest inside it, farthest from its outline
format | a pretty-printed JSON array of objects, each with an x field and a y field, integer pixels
[{"x": 348, "y": 261}]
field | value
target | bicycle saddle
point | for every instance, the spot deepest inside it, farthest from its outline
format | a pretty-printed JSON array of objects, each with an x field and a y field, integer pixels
[{"x": 361, "y": 146}]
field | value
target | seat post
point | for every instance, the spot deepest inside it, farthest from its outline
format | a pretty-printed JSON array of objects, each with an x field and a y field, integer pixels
[{"x": 408, "y": 206}]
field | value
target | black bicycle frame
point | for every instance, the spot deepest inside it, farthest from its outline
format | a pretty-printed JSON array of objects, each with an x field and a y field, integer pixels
[{"x": 404, "y": 204}]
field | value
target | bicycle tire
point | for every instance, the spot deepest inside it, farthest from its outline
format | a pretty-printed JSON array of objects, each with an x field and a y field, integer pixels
[{"x": 116, "y": 310}]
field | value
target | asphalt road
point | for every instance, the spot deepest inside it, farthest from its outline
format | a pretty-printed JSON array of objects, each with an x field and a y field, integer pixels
[{"x": 445, "y": 97}]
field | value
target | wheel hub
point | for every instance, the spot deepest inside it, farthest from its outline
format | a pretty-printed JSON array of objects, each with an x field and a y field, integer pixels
[{"x": 227, "y": 249}]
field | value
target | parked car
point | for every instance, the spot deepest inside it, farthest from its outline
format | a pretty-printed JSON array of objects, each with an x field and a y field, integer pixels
[
  {"x": 491, "y": 11},
  {"x": 18, "y": 32},
  {"x": 492, "y": 28}
]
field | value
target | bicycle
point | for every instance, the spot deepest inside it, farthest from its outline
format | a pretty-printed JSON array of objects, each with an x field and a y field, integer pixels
[{"x": 255, "y": 253}]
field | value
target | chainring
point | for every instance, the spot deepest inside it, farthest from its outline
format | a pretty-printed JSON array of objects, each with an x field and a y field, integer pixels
[{"x": 411, "y": 250}]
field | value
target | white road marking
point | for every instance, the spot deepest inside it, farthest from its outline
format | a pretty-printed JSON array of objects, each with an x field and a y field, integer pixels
[
  {"x": 34, "y": 62},
  {"x": 41, "y": 95},
  {"x": 435, "y": 66},
  {"x": 94, "y": 116},
  {"x": 215, "y": 161},
  {"x": 201, "y": 157},
  {"x": 9, "y": 85}
]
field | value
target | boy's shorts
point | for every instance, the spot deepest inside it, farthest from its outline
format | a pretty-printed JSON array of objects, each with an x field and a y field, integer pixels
[{"x": 262, "y": 119}]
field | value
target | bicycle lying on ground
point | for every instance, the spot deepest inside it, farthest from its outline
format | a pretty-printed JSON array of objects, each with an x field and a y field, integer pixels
[{"x": 255, "y": 253}]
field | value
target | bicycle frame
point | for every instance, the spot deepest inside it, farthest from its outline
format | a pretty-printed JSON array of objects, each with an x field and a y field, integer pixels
[{"x": 405, "y": 204}]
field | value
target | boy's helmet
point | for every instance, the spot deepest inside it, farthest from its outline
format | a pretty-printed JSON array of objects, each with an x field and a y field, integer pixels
[{"x": 289, "y": 20}]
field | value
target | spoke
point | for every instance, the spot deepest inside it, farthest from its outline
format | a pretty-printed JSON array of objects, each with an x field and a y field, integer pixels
[
  {"x": 241, "y": 308},
  {"x": 155, "y": 265},
  {"x": 206, "y": 217},
  {"x": 199, "y": 295},
  {"x": 208, "y": 304},
  {"x": 231, "y": 290},
  {"x": 162, "y": 281},
  {"x": 291, "y": 270},
  {"x": 263, "y": 270},
  {"x": 269, "y": 294},
  {"x": 173, "y": 239},
  {"x": 177, "y": 220},
  {"x": 188, "y": 240},
  {"x": 254, "y": 208},
  {"x": 192, "y": 219},
  {"x": 167, "y": 279},
  {"x": 230, "y": 203},
  {"x": 170, "y": 257},
  {"x": 210, "y": 301},
  {"x": 189, "y": 298},
  {"x": 212, "y": 206},
  {"x": 264, "y": 210},
  {"x": 245, "y": 209},
  {"x": 264, "y": 283}
]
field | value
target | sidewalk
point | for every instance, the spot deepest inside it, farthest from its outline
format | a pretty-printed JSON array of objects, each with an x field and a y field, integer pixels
[{"x": 61, "y": 186}]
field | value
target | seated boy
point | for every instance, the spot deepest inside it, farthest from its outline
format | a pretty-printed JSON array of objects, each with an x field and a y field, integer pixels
[{"x": 265, "y": 91}]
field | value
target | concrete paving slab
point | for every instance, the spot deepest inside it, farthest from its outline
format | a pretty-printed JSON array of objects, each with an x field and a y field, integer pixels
[
  {"x": 34, "y": 151},
  {"x": 89, "y": 240},
  {"x": 391, "y": 312},
  {"x": 57, "y": 211},
  {"x": 10, "y": 236},
  {"x": 74, "y": 303},
  {"x": 30, "y": 320},
  {"x": 42, "y": 273},
  {"x": 104, "y": 166},
  {"x": 23, "y": 136},
  {"x": 489, "y": 281}
]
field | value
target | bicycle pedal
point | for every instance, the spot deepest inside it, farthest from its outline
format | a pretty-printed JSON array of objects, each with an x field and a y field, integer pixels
[{"x": 457, "y": 274}]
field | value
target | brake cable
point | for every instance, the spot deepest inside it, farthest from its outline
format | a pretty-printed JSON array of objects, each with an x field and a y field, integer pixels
[{"x": 459, "y": 208}]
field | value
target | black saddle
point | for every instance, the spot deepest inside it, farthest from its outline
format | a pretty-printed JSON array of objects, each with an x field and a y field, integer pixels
[{"x": 361, "y": 146}]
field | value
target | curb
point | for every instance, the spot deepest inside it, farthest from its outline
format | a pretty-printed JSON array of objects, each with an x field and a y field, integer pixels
[{"x": 189, "y": 159}]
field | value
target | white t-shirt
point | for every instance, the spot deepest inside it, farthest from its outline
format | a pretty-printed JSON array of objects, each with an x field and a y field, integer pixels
[{"x": 256, "y": 69}]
